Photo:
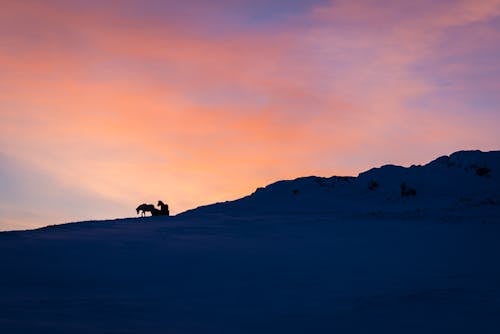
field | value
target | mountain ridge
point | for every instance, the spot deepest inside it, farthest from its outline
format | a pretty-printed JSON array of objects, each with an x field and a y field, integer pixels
[
  {"x": 463, "y": 180},
  {"x": 464, "y": 185}
]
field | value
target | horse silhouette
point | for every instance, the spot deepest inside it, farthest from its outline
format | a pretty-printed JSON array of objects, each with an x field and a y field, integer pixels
[
  {"x": 143, "y": 208},
  {"x": 163, "y": 209}
]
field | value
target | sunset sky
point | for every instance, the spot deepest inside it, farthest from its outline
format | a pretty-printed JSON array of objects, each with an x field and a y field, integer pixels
[{"x": 108, "y": 104}]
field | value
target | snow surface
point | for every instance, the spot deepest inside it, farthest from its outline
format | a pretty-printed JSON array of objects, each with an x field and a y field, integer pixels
[
  {"x": 333, "y": 256},
  {"x": 447, "y": 186}
]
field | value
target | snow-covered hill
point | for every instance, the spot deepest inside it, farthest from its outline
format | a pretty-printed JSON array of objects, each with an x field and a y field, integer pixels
[
  {"x": 464, "y": 183},
  {"x": 313, "y": 255}
]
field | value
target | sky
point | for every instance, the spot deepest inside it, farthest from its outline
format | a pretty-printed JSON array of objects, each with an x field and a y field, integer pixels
[{"x": 105, "y": 105}]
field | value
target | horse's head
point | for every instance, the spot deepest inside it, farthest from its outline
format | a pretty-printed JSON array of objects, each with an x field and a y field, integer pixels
[
  {"x": 160, "y": 203},
  {"x": 142, "y": 208}
]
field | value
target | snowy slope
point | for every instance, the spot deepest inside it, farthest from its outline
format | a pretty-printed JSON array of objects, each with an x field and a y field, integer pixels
[
  {"x": 466, "y": 182},
  {"x": 255, "y": 274},
  {"x": 238, "y": 268}
]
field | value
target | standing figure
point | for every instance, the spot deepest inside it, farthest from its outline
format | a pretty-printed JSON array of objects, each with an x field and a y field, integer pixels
[{"x": 163, "y": 209}]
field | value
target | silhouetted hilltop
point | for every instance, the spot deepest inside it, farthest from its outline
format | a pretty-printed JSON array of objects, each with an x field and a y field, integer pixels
[
  {"x": 274, "y": 261},
  {"x": 462, "y": 182}
]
